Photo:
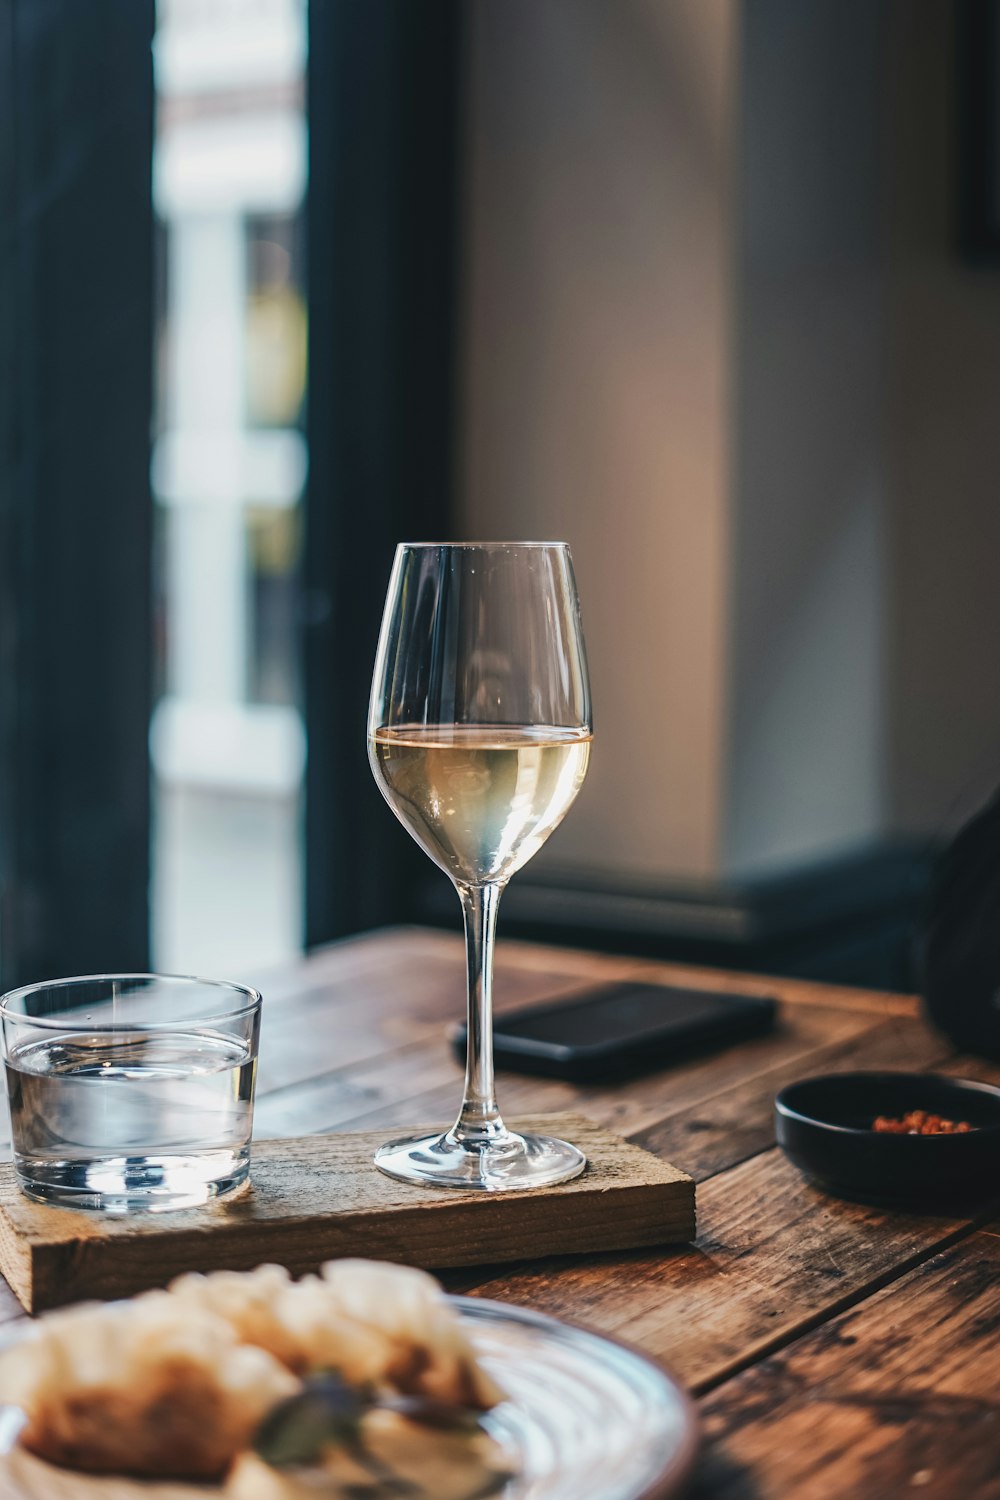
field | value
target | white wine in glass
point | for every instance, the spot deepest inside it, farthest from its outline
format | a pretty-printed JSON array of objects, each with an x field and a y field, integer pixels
[{"x": 479, "y": 735}]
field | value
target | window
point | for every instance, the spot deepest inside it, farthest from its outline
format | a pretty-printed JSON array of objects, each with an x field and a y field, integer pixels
[
  {"x": 228, "y": 470},
  {"x": 154, "y": 652}
]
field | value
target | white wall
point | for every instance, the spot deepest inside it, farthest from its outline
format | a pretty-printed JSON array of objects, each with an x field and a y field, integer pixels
[
  {"x": 719, "y": 336},
  {"x": 806, "y": 731},
  {"x": 596, "y": 377}
]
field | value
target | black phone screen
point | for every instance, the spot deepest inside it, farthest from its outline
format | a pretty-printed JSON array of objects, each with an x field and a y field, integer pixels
[
  {"x": 624, "y": 1013},
  {"x": 620, "y": 1028}
]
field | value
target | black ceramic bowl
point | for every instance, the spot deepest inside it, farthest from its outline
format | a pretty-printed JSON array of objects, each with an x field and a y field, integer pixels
[{"x": 824, "y": 1126}]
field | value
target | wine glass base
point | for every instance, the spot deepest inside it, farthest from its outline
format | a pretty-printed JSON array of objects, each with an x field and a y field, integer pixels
[{"x": 512, "y": 1162}]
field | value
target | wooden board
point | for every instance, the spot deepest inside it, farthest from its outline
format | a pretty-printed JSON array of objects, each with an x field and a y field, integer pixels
[
  {"x": 773, "y": 1257},
  {"x": 320, "y": 1196},
  {"x": 895, "y": 1397}
]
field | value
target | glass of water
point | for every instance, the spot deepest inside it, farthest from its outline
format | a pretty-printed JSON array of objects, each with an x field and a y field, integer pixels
[{"x": 130, "y": 1092}]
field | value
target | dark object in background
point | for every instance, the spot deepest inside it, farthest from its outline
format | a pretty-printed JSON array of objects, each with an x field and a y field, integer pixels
[
  {"x": 823, "y": 1125},
  {"x": 960, "y": 959},
  {"x": 76, "y": 360},
  {"x": 977, "y": 101},
  {"x": 851, "y": 919},
  {"x": 620, "y": 1029}
]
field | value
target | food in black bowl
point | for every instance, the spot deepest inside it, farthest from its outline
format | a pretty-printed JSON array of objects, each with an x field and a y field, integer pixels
[{"x": 827, "y": 1127}]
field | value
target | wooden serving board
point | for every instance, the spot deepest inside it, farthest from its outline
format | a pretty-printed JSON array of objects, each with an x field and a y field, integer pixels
[{"x": 318, "y": 1197}]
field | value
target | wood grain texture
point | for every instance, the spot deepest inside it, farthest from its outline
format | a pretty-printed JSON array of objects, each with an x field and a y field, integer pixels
[
  {"x": 321, "y": 1197},
  {"x": 423, "y": 1080},
  {"x": 400, "y": 989},
  {"x": 897, "y": 1396},
  {"x": 751, "y": 1314},
  {"x": 735, "y": 1123},
  {"x": 773, "y": 1257}
]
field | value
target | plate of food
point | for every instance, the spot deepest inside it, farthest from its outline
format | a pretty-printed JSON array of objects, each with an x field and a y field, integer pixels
[{"x": 365, "y": 1382}]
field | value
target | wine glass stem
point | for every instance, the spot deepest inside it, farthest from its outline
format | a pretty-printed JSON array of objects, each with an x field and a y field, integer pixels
[{"x": 479, "y": 1123}]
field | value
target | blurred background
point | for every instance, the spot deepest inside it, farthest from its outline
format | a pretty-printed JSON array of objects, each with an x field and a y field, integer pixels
[{"x": 709, "y": 288}]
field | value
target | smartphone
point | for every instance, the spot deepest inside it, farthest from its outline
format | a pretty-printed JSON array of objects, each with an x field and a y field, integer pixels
[{"x": 619, "y": 1029}]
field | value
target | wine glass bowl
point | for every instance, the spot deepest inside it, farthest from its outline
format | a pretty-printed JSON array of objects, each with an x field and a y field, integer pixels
[{"x": 479, "y": 734}]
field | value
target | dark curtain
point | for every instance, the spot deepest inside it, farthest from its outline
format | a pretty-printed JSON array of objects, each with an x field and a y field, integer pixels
[{"x": 76, "y": 130}]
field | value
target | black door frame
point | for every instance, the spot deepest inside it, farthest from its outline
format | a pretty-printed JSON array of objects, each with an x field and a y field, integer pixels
[{"x": 384, "y": 101}]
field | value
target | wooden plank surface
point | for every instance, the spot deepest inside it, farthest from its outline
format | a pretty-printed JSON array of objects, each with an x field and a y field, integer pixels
[
  {"x": 772, "y": 1314},
  {"x": 898, "y": 1396},
  {"x": 773, "y": 1257},
  {"x": 320, "y": 1197}
]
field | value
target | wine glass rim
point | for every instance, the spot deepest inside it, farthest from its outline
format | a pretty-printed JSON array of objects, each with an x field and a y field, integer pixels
[{"x": 478, "y": 546}]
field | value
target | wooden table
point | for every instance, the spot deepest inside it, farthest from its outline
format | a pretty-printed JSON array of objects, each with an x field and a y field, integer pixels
[{"x": 835, "y": 1350}]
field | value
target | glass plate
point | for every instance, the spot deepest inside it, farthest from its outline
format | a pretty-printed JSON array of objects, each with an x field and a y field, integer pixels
[{"x": 585, "y": 1417}]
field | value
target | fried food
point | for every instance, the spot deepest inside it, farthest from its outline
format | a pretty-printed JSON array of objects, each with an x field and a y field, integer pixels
[
  {"x": 174, "y": 1384},
  {"x": 147, "y": 1387},
  {"x": 375, "y": 1324}
]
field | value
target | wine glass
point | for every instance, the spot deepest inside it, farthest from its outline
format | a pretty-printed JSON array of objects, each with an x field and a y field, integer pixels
[{"x": 479, "y": 734}]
